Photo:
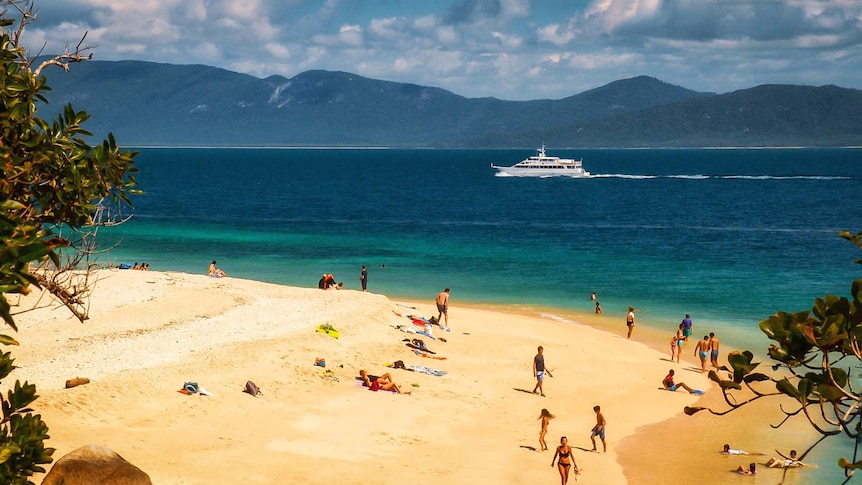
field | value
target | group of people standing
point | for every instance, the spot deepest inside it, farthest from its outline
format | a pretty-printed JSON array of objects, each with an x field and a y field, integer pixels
[
  {"x": 707, "y": 348},
  {"x": 563, "y": 456}
]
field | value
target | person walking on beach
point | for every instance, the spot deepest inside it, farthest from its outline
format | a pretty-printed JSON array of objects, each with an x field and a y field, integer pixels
[
  {"x": 363, "y": 277},
  {"x": 539, "y": 371},
  {"x": 599, "y": 429},
  {"x": 630, "y": 321},
  {"x": 545, "y": 416},
  {"x": 443, "y": 307},
  {"x": 702, "y": 350},
  {"x": 713, "y": 350},
  {"x": 566, "y": 461},
  {"x": 678, "y": 340},
  {"x": 687, "y": 326}
]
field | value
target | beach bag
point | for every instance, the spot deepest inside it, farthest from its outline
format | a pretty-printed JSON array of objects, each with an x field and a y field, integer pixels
[
  {"x": 433, "y": 321},
  {"x": 399, "y": 364},
  {"x": 251, "y": 388}
]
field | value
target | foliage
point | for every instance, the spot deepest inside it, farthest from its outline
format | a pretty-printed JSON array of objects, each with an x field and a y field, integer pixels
[
  {"x": 50, "y": 180},
  {"x": 814, "y": 353}
]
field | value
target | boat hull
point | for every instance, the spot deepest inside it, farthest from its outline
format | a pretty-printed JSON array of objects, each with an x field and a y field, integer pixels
[{"x": 541, "y": 172}]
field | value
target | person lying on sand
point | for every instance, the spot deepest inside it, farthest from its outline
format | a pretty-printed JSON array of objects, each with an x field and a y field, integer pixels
[
  {"x": 751, "y": 470},
  {"x": 383, "y": 382}
]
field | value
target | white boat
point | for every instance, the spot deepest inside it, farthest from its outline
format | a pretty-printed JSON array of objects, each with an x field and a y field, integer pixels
[{"x": 541, "y": 165}]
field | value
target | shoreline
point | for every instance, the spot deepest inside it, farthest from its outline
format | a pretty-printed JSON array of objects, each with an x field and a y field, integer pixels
[{"x": 151, "y": 331}]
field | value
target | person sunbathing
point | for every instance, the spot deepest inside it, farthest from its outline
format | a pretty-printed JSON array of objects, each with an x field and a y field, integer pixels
[
  {"x": 383, "y": 382},
  {"x": 216, "y": 272},
  {"x": 751, "y": 470},
  {"x": 668, "y": 384}
]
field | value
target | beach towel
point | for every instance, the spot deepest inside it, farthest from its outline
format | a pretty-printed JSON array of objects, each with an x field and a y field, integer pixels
[
  {"x": 426, "y": 354},
  {"x": 419, "y": 332},
  {"x": 328, "y": 330},
  {"x": 427, "y": 370}
]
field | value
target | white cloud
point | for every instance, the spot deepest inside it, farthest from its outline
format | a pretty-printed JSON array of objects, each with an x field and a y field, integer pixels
[{"x": 555, "y": 34}]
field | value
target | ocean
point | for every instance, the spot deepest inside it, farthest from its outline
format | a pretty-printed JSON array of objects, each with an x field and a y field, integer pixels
[
  {"x": 730, "y": 236},
  {"x": 727, "y": 235}
]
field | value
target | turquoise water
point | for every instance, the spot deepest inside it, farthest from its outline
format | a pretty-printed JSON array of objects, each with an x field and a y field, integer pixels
[{"x": 730, "y": 236}]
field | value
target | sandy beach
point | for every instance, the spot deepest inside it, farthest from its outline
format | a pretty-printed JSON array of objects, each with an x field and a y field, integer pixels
[{"x": 150, "y": 332}]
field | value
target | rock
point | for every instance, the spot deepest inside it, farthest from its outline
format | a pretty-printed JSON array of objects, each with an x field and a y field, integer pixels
[
  {"x": 93, "y": 464},
  {"x": 76, "y": 382}
]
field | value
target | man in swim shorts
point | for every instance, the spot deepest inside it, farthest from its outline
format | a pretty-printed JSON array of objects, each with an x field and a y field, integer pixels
[
  {"x": 686, "y": 326},
  {"x": 539, "y": 371},
  {"x": 713, "y": 350},
  {"x": 599, "y": 429},
  {"x": 702, "y": 351},
  {"x": 443, "y": 307}
]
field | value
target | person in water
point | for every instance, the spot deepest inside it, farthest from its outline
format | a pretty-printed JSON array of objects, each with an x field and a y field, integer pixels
[{"x": 566, "y": 461}]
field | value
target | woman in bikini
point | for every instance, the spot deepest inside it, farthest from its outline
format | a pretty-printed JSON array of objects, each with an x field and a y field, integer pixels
[
  {"x": 545, "y": 416},
  {"x": 566, "y": 461}
]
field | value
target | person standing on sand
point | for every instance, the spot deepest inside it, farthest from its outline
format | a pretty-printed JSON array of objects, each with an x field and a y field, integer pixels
[
  {"x": 687, "y": 326},
  {"x": 713, "y": 350},
  {"x": 545, "y": 416},
  {"x": 539, "y": 371},
  {"x": 443, "y": 307},
  {"x": 599, "y": 429},
  {"x": 363, "y": 277},
  {"x": 702, "y": 351},
  {"x": 566, "y": 461},
  {"x": 630, "y": 321}
]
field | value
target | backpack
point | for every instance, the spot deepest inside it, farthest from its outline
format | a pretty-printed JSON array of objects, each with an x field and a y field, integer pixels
[{"x": 251, "y": 388}]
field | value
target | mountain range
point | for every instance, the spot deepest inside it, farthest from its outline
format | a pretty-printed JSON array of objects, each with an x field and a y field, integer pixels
[{"x": 146, "y": 104}]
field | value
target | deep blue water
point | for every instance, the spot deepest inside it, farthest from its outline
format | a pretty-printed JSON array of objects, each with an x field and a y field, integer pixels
[{"x": 730, "y": 236}]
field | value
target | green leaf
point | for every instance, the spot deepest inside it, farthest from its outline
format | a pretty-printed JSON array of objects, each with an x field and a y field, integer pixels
[{"x": 7, "y": 340}]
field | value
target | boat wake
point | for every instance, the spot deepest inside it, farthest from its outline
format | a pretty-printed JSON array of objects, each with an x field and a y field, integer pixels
[{"x": 725, "y": 177}]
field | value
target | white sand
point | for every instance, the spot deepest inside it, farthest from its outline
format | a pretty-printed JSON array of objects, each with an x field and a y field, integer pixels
[{"x": 150, "y": 332}]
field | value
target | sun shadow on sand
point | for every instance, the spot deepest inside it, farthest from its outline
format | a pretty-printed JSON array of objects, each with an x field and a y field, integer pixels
[
  {"x": 588, "y": 450},
  {"x": 524, "y": 390},
  {"x": 531, "y": 448}
]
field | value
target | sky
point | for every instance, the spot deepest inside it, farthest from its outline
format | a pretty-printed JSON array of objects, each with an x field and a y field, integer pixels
[{"x": 507, "y": 49}]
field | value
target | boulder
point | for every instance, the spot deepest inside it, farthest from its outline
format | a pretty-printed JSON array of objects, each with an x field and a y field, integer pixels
[{"x": 93, "y": 464}]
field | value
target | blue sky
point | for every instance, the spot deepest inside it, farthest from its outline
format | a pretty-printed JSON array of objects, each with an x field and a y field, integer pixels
[{"x": 508, "y": 49}]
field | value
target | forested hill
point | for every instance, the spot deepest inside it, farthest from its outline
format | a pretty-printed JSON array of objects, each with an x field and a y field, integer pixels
[{"x": 146, "y": 103}]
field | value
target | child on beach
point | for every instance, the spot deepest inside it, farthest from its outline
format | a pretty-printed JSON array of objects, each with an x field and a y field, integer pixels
[{"x": 545, "y": 416}]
